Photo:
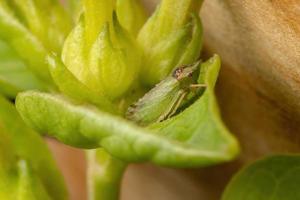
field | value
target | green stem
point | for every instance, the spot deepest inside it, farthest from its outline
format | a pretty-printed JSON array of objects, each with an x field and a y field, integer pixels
[{"x": 104, "y": 175}]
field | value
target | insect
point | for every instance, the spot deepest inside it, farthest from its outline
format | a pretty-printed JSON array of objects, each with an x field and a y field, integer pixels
[{"x": 165, "y": 99}]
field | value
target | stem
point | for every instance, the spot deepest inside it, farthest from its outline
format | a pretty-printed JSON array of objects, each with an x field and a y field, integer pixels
[{"x": 104, "y": 175}]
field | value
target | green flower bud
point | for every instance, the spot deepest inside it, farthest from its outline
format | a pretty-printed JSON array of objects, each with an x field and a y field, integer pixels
[
  {"x": 100, "y": 53},
  {"x": 131, "y": 14},
  {"x": 115, "y": 64},
  {"x": 171, "y": 37},
  {"x": 96, "y": 14}
]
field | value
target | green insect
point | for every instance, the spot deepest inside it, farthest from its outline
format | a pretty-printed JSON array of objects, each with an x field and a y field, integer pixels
[{"x": 167, "y": 97}]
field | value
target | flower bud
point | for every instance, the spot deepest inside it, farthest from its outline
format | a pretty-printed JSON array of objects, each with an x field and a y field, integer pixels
[
  {"x": 100, "y": 53},
  {"x": 114, "y": 61},
  {"x": 171, "y": 37},
  {"x": 96, "y": 14},
  {"x": 131, "y": 14}
]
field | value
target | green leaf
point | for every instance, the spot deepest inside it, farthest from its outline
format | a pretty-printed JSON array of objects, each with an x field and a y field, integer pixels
[
  {"x": 24, "y": 144},
  {"x": 33, "y": 29},
  {"x": 46, "y": 20},
  {"x": 14, "y": 75},
  {"x": 21, "y": 183},
  {"x": 29, "y": 185},
  {"x": 273, "y": 178},
  {"x": 8, "y": 90},
  {"x": 177, "y": 142}
]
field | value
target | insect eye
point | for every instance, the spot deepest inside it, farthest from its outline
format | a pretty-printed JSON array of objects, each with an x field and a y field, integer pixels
[{"x": 177, "y": 72}]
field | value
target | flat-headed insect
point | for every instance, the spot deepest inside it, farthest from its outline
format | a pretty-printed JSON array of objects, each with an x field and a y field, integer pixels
[{"x": 165, "y": 99}]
